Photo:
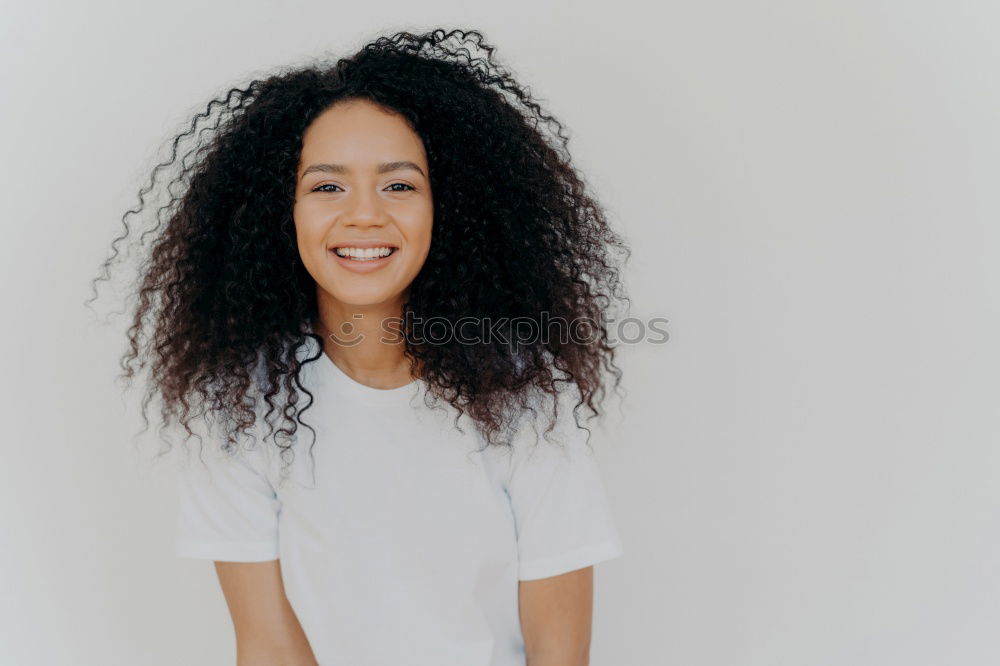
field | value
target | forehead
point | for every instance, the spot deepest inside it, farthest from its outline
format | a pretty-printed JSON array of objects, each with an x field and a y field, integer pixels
[{"x": 361, "y": 133}]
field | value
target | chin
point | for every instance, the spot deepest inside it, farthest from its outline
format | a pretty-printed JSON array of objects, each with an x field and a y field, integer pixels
[{"x": 363, "y": 298}]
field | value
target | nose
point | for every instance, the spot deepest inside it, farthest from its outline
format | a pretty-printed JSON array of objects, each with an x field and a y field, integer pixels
[{"x": 365, "y": 209}]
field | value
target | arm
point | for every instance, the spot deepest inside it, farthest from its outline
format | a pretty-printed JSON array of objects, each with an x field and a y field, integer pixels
[
  {"x": 267, "y": 631},
  {"x": 556, "y": 618}
]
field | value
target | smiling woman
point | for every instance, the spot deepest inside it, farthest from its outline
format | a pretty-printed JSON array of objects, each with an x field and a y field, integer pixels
[{"x": 334, "y": 234}]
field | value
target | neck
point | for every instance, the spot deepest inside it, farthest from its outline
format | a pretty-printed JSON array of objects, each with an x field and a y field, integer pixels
[{"x": 362, "y": 341}]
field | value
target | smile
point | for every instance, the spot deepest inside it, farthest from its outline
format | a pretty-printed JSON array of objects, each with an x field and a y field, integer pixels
[
  {"x": 364, "y": 254},
  {"x": 363, "y": 260}
]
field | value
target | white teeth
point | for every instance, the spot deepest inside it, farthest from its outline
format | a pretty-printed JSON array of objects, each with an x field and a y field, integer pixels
[{"x": 363, "y": 254}]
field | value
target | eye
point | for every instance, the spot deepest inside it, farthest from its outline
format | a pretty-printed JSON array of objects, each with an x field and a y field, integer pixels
[{"x": 406, "y": 187}]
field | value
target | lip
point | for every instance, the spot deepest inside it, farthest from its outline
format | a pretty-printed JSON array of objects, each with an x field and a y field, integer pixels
[
  {"x": 366, "y": 243},
  {"x": 363, "y": 266}
]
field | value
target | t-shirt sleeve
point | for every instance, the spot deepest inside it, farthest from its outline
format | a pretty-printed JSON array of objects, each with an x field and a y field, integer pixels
[
  {"x": 561, "y": 511},
  {"x": 227, "y": 507}
]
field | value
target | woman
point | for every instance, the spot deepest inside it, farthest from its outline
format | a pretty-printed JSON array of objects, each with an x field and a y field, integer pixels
[{"x": 396, "y": 240}]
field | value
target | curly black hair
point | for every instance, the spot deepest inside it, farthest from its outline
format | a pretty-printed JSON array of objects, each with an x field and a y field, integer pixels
[{"x": 227, "y": 301}]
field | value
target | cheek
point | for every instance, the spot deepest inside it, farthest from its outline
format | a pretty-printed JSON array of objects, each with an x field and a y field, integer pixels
[
  {"x": 309, "y": 234},
  {"x": 309, "y": 219},
  {"x": 420, "y": 225}
]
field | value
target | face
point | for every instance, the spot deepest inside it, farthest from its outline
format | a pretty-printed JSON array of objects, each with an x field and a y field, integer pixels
[{"x": 363, "y": 190}]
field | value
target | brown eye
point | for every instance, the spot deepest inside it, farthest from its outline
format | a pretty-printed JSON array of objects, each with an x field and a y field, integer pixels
[
  {"x": 409, "y": 187},
  {"x": 319, "y": 188}
]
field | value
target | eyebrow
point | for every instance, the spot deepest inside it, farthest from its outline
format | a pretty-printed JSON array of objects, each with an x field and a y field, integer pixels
[{"x": 384, "y": 167}]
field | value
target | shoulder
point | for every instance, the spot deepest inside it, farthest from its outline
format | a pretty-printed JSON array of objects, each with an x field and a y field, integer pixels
[{"x": 559, "y": 417}]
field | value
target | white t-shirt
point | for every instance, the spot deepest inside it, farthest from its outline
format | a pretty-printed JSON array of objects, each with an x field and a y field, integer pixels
[{"x": 409, "y": 546}]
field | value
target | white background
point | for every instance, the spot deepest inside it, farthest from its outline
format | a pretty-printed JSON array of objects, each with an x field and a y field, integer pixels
[{"x": 806, "y": 473}]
